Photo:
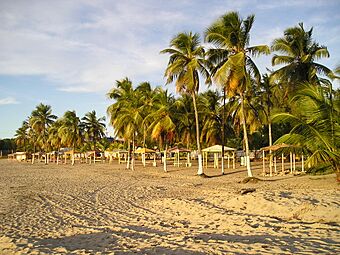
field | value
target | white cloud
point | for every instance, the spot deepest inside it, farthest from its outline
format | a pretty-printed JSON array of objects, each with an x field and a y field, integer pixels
[
  {"x": 83, "y": 49},
  {"x": 8, "y": 100}
]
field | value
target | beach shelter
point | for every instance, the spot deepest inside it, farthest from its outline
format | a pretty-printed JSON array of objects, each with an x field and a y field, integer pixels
[
  {"x": 292, "y": 158},
  {"x": 216, "y": 150},
  {"x": 116, "y": 154},
  {"x": 144, "y": 151},
  {"x": 177, "y": 152}
]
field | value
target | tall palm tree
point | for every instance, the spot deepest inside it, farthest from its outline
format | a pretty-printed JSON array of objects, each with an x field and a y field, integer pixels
[
  {"x": 186, "y": 62},
  {"x": 70, "y": 129},
  {"x": 94, "y": 127},
  {"x": 41, "y": 119},
  {"x": 297, "y": 52},
  {"x": 231, "y": 33}
]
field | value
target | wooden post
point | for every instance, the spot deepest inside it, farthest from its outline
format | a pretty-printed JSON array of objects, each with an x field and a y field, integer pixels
[
  {"x": 228, "y": 161},
  {"x": 270, "y": 163},
  {"x": 302, "y": 167},
  {"x": 72, "y": 158},
  {"x": 263, "y": 163},
  {"x": 291, "y": 162},
  {"x": 294, "y": 162},
  {"x": 283, "y": 163},
  {"x": 275, "y": 165},
  {"x": 233, "y": 159}
]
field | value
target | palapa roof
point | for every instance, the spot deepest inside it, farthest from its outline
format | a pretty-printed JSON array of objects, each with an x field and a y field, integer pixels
[
  {"x": 144, "y": 150},
  {"x": 116, "y": 151},
  {"x": 276, "y": 147},
  {"x": 178, "y": 150},
  {"x": 218, "y": 148}
]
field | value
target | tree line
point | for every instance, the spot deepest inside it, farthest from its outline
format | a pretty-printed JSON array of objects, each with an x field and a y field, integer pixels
[{"x": 294, "y": 104}]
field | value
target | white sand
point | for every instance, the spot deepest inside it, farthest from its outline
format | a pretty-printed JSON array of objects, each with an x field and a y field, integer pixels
[{"x": 106, "y": 209}]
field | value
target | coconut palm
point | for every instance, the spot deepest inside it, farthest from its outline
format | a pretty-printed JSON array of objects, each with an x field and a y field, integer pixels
[
  {"x": 94, "y": 127},
  {"x": 231, "y": 33},
  {"x": 54, "y": 136},
  {"x": 41, "y": 119},
  {"x": 209, "y": 105},
  {"x": 126, "y": 114},
  {"x": 161, "y": 119},
  {"x": 298, "y": 53},
  {"x": 21, "y": 135},
  {"x": 314, "y": 124},
  {"x": 184, "y": 117},
  {"x": 146, "y": 95},
  {"x": 186, "y": 62},
  {"x": 70, "y": 130}
]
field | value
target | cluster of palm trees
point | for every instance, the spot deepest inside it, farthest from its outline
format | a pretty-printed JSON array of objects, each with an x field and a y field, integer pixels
[
  {"x": 296, "y": 102},
  {"x": 45, "y": 132}
]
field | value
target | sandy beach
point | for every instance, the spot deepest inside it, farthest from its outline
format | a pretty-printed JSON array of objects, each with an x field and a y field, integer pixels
[{"x": 106, "y": 209}]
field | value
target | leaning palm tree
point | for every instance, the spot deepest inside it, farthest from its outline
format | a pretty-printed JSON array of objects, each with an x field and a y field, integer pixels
[
  {"x": 315, "y": 127},
  {"x": 297, "y": 52},
  {"x": 41, "y": 119},
  {"x": 234, "y": 71},
  {"x": 186, "y": 62},
  {"x": 94, "y": 127}
]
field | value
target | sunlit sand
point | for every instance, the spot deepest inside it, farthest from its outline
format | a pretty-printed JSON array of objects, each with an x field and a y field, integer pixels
[{"x": 106, "y": 209}]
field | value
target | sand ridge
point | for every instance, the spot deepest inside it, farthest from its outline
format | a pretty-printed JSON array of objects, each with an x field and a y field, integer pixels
[{"x": 106, "y": 209}]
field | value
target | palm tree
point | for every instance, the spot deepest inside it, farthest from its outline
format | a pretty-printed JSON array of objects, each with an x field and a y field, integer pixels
[
  {"x": 298, "y": 53},
  {"x": 186, "y": 62},
  {"x": 21, "y": 135},
  {"x": 231, "y": 33},
  {"x": 146, "y": 94},
  {"x": 41, "y": 119},
  {"x": 160, "y": 118},
  {"x": 70, "y": 129},
  {"x": 209, "y": 105},
  {"x": 126, "y": 113},
  {"x": 313, "y": 125},
  {"x": 184, "y": 117},
  {"x": 94, "y": 127}
]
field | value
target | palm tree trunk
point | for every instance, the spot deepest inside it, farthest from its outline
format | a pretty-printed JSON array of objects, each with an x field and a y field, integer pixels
[
  {"x": 223, "y": 131},
  {"x": 133, "y": 153},
  {"x": 199, "y": 152},
  {"x": 245, "y": 138},
  {"x": 270, "y": 144},
  {"x": 128, "y": 156},
  {"x": 166, "y": 147}
]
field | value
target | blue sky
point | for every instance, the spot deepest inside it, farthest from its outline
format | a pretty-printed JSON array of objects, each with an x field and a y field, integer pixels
[{"x": 68, "y": 54}]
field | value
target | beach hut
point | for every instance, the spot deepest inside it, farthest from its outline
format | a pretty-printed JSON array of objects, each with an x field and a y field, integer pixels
[
  {"x": 19, "y": 156},
  {"x": 177, "y": 151},
  {"x": 275, "y": 149},
  {"x": 143, "y": 152},
  {"x": 216, "y": 150}
]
